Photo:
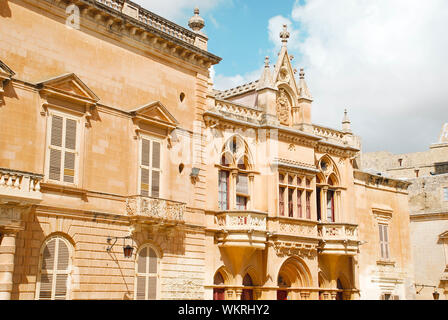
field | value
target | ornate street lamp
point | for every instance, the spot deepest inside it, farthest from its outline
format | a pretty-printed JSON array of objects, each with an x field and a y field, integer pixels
[{"x": 127, "y": 249}]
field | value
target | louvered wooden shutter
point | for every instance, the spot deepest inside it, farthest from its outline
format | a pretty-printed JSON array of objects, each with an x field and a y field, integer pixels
[
  {"x": 62, "y": 149},
  {"x": 55, "y": 270},
  {"x": 155, "y": 183},
  {"x": 150, "y": 168},
  {"x": 70, "y": 151},
  {"x": 56, "y": 147},
  {"x": 146, "y": 278},
  {"x": 384, "y": 241}
]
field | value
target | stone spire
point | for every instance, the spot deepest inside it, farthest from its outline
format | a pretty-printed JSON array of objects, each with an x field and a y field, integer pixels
[
  {"x": 266, "y": 76},
  {"x": 304, "y": 92},
  {"x": 346, "y": 124},
  {"x": 284, "y": 35},
  {"x": 196, "y": 23}
]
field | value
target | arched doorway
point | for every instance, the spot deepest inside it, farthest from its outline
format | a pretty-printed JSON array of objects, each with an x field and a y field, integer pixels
[
  {"x": 294, "y": 274},
  {"x": 248, "y": 294},
  {"x": 283, "y": 283},
  {"x": 218, "y": 293}
]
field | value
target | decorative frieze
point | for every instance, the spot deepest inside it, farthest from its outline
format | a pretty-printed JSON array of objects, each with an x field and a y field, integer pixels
[
  {"x": 158, "y": 210},
  {"x": 289, "y": 248}
]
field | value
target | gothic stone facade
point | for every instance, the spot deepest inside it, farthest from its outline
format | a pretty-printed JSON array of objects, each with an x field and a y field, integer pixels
[{"x": 112, "y": 137}]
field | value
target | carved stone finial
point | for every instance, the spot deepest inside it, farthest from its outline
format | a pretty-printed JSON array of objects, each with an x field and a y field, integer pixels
[
  {"x": 346, "y": 124},
  {"x": 196, "y": 23},
  {"x": 266, "y": 62},
  {"x": 302, "y": 73},
  {"x": 284, "y": 35}
]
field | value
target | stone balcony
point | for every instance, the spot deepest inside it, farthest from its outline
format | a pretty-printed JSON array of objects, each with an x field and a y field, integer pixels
[
  {"x": 242, "y": 229},
  {"x": 155, "y": 211},
  {"x": 338, "y": 238},
  {"x": 18, "y": 187}
]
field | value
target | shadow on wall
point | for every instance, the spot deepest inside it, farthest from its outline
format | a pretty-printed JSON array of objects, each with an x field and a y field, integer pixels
[{"x": 5, "y": 11}]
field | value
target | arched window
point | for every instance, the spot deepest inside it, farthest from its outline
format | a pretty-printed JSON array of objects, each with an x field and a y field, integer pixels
[
  {"x": 327, "y": 194},
  {"x": 218, "y": 293},
  {"x": 55, "y": 268},
  {"x": 248, "y": 294},
  {"x": 146, "y": 279},
  {"x": 234, "y": 171}
]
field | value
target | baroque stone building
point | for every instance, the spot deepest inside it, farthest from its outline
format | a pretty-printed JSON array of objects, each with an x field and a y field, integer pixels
[
  {"x": 125, "y": 175},
  {"x": 428, "y": 204}
]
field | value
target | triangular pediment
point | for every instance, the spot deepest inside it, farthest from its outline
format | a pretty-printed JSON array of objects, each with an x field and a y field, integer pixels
[
  {"x": 155, "y": 111},
  {"x": 284, "y": 72},
  {"x": 444, "y": 235},
  {"x": 71, "y": 85},
  {"x": 5, "y": 71}
]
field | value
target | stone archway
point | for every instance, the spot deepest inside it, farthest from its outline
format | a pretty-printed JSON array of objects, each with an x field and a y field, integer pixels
[{"x": 293, "y": 275}]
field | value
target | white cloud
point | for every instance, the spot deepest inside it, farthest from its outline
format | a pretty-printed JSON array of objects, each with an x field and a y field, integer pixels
[
  {"x": 222, "y": 82},
  {"x": 383, "y": 60}
]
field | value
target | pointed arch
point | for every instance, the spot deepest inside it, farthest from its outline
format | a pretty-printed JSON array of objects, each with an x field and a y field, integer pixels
[
  {"x": 323, "y": 279},
  {"x": 332, "y": 167},
  {"x": 252, "y": 272},
  {"x": 296, "y": 272},
  {"x": 236, "y": 148},
  {"x": 226, "y": 275}
]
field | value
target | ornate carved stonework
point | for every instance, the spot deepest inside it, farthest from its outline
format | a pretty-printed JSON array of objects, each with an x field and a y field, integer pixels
[
  {"x": 155, "y": 208},
  {"x": 283, "y": 107},
  {"x": 285, "y": 248}
]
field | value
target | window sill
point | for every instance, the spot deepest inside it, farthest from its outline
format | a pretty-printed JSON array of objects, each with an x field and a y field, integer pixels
[
  {"x": 63, "y": 188},
  {"x": 386, "y": 263}
]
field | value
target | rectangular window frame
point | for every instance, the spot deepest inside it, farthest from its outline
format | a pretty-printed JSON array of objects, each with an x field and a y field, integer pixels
[
  {"x": 152, "y": 139},
  {"x": 65, "y": 116},
  {"x": 384, "y": 236}
]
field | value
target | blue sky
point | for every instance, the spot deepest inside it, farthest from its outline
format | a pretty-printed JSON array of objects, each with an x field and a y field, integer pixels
[{"x": 384, "y": 61}]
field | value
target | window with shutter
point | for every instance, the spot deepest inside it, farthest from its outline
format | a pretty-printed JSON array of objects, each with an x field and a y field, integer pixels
[
  {"x": 150, "y": 168},
  {"x": 62, "y": 148},
  {"x": 384, "y": 241},
  {"x": 55, "y": 270},
  {"x": 147, "y": 274}
]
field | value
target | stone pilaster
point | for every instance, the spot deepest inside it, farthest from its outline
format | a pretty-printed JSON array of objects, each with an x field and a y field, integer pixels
[{"x": 7, "y": 252}]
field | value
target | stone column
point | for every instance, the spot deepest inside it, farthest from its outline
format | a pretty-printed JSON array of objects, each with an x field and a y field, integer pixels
[
  {"x": 238, "y": 292},
  {"x": 339, "y": 217},
  {"x": 257, "y": 294},
  {"x": 232, "y": 189},
  {"x": 229, "y": 294},
  {"x": 304, "y": 295},
  {"x": 333, "y": 295},
  {"x": 7, "y": 252},
  {"x": 323, "y": 204},
  {"x": 250, "y": 205}
]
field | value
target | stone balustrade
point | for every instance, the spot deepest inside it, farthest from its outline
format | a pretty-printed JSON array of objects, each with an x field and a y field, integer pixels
[
  {"x": 338, "y": 238},
  {"x": 329, "y": 134},
  {"x": 241, "y": 220},
  {"x": 150, "y": 19},
  {"x": 17, "y": 186},
  {"x": 155, "y": 210},
  {"x": 239, "y": 111},
  {"x": 242, "y": 229}
]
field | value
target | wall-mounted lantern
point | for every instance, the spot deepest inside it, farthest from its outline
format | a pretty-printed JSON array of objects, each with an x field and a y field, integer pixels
[{"x": 127, "y": 249}]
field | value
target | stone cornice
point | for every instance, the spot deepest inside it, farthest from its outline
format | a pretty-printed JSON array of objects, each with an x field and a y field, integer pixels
[
  {"x": 429, "y": 216},
  {"x": 371, "y": 180},
  {"x": 173, "y": 42}
]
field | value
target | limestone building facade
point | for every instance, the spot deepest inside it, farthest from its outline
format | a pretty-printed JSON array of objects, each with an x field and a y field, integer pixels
[
  {"x": 125, "y": 175},
  {"x": 428, "y": 203}
]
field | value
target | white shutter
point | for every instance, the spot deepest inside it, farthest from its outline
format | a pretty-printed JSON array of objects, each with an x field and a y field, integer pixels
[
  {"x": 62, "y": 157},
  {"x": 146, "y": 277},
  {"x": 150, "y": 168},
  {"x": 55, "y": 269}
]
